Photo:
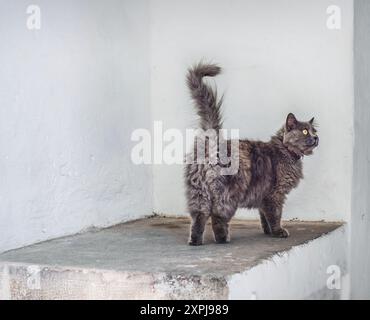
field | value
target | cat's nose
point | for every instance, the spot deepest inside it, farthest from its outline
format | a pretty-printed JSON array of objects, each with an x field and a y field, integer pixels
[{"x": 313, "y": 141}]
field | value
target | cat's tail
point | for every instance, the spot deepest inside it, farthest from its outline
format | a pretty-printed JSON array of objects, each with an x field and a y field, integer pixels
[{"x": 204, "y": 96}]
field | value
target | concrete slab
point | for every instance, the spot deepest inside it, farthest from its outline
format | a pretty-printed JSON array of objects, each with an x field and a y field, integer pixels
[{"x": 145, "y": 259}]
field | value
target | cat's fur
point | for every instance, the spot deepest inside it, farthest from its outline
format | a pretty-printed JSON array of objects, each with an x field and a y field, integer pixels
[{"x": 268, "y": 171}]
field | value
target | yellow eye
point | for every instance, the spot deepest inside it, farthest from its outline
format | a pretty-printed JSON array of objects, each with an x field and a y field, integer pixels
[{"x": 305, "y": 132}]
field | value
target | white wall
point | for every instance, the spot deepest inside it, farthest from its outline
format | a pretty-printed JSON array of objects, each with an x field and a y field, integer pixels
[
  {"x": 300, "y": 273},
  {"x": 72, "y": 92},
  {"x": 278, "y": 57},
  {"x": 360, "y": 219},
  {"x": 70, "y": 96}
]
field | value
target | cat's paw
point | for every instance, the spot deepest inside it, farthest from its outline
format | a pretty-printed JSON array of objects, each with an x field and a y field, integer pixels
[
  {"x": 281, "y": 233},
  {"x": 195, "y": 242},
  {"x": 222, "y": 240}
]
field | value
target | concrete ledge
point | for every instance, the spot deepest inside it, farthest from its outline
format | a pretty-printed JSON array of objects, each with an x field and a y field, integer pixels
[
  {"x": 302, "y": 272},
  {"x": 149, "y": 259}
]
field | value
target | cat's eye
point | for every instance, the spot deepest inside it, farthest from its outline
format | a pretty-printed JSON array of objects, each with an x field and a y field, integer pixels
[{"x": 305, "y": 132}]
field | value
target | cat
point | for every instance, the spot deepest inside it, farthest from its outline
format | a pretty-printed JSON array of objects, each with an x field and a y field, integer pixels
[{"x": 267, "y": 171}]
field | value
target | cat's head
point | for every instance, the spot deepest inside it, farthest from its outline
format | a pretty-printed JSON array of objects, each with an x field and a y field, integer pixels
[{"x": 300, "y": 137}]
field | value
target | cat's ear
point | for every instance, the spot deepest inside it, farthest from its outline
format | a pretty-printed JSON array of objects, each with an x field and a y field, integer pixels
[
  {"x": 312, "y": 121},
  {"x": 291, "y": 122}
]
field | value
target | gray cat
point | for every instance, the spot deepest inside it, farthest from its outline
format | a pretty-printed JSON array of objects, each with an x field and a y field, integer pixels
[{"x": 267, "y": 171}]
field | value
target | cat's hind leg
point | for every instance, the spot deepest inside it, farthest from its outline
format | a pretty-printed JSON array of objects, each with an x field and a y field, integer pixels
[
  {"x": 220, "y": 226},
  {"x": 221, "y": 216},
  {"x": 199, "y": 220}
]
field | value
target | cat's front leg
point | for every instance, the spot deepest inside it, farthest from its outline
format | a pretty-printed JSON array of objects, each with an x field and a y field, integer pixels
[
  {"x": 264, "y": 224},
  {"x": 272, "y": 211}
]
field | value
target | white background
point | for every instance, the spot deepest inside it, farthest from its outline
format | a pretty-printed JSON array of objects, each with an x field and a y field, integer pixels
[
  {"x": 70, "y": 96},
  {"x": 278, "y": 57},
  {"x": 360, "y": 218}
]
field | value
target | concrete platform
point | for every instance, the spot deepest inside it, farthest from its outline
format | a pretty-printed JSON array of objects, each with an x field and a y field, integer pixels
[{"x": 145, "y": 259}]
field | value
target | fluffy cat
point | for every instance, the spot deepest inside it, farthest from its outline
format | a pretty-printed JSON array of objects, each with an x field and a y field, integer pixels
[{"x": 267, "y": 171}]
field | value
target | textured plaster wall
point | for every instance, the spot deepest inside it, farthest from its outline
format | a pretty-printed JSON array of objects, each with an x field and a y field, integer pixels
[
  {"x": 360, "y": 219},
  {"x": 70, "y": 96},
  {"x": 278, "y": 57}
]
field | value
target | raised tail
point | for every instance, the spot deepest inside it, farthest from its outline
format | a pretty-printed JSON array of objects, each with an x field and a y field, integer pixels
[{"x": 205, "y": 98}]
